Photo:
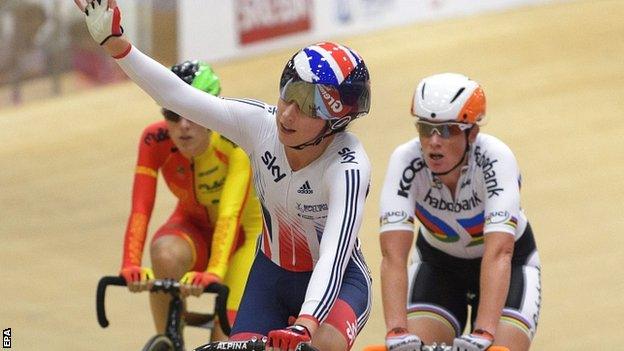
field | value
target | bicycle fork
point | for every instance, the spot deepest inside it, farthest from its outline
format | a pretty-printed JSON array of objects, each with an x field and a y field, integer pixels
[{"x": 174, "y": 323}]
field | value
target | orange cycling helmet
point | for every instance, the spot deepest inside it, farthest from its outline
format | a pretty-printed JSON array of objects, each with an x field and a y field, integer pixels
[{"x": 449, "y": 97}]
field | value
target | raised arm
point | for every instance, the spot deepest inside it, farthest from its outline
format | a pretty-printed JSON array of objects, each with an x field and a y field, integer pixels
[{"x": 225, "y": 116}]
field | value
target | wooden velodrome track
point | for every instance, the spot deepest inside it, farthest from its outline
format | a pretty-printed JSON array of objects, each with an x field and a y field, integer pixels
[{"x": 554, "y": 78}]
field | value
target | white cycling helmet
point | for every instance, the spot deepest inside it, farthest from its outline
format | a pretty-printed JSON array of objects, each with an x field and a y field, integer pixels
[{"x": 449, "y": 97}]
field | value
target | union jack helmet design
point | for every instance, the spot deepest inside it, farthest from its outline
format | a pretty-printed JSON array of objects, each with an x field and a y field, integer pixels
[{"x": 328, "y": 81}]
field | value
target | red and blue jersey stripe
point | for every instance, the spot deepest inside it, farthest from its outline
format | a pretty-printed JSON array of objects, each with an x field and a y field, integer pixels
[
  {"x": 435, "y": 225},
  {"x": 473, "y": 225}
]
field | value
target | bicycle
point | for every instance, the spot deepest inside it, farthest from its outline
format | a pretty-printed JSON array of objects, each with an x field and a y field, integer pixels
[
  {"x": 172, "y": 339},
  {"x": 432, "y": 347},
  {"x": 254, "y": 344}
]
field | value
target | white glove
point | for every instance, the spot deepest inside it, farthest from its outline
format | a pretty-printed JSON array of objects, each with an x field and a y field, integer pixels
[
  {"x": 473, "y": 342},
  {"x": 399, "y": 339},
  {"x": 103, "y": 22}
]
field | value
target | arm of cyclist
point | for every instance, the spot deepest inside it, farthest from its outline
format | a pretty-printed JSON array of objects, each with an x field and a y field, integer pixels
[
  {"x": 395, "y": 248},
  {"x": 230, "y": 118},
  {"x": 336, "y": 247},
  {"x": 396, "y": 239},
  {"x": 494, "y": 281},
  {"x": 494, "y": 286},
  {"x": 499, "y": 232},
  {"x": 234, "y": 196},
  {"x": 290, "y": 337},
  {"x": 232, "y": 202},
  {"x": 143, "y": 197},
  {"x": 346, "y": 206},
  {"x": 193, "y": 283}
]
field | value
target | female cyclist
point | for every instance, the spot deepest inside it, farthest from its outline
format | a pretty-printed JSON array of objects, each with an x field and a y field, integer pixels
[
  {"x": 211, "y": 234},
  {"x": 311, "y": 177},
  {"x": 475, "y": 246}
]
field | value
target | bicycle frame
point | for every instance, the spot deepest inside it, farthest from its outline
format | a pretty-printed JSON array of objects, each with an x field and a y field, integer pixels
[
  {"x": 251, "y": 345},
  {"x": 174, "y": 317},
  {"x": 432, "y": 347}
]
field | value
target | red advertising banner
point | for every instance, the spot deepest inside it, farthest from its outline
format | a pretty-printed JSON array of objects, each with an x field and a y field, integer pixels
[{"x": 260, "y": 20}]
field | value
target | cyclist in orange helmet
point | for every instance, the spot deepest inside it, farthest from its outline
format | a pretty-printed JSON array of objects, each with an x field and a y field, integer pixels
[{"x": 475, "y": 247}]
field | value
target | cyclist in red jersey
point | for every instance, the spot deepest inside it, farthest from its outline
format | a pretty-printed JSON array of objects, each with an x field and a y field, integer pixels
[{"x": 217, "y": 219}]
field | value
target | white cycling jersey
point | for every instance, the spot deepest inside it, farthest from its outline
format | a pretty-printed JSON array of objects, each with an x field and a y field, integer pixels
[
  {"x": 311, "y": 216},
  {"x": 487, "y": 199}
]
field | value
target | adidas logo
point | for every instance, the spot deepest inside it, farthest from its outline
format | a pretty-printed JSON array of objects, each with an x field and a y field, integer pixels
[{"x": 305, "y": 188}]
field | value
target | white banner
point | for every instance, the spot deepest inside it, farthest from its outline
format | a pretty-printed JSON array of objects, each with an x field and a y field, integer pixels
[{"x": 216, "y": 30}]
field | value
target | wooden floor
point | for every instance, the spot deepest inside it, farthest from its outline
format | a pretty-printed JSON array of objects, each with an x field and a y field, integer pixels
[{"x": 554, "y": 78}]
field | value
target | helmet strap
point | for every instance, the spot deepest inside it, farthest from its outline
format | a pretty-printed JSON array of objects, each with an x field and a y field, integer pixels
[
  {"x": 331, "y": 128},
  {"x": 466, "y": 149},
  {"x": 317, "y": 140}
]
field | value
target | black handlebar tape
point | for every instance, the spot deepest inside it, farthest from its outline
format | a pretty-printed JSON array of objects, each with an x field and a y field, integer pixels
[{"x": 100, "y": 295}]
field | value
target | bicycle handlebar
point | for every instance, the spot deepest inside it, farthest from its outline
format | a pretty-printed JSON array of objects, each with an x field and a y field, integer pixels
[
  {"x": 101, "y": 294},
  {"x": 167, "y": 286},
  {"x": 436, "y": 348},
  {"x": 251, "y": 345},
  {"x": 432, "y": 347}
]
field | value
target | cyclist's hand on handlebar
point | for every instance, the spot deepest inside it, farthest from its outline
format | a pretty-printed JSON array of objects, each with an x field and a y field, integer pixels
[
  {"x": 195, "y": 282},
  {"x": 287, "y": 339},
  {"x": 400, "y": 339},
  {"x": 476, "y": 341},
  {"x": 137, "y": 278},
  {"x": 103, "y": 19}
]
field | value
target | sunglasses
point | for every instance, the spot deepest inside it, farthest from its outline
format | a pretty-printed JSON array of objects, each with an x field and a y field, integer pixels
[
  {"x": 170, "y": 115},
  {"x": 445, "y": 130},
  {"x": 303, "y": 94},
  {"x": 325, "y": 101}
]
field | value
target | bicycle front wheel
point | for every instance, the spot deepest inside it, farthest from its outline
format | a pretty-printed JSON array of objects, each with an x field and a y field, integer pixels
[{"x": 158, "y": 343}]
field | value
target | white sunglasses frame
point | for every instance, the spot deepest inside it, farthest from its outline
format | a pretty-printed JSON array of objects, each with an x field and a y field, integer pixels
[{"x": 462, "y": 127}]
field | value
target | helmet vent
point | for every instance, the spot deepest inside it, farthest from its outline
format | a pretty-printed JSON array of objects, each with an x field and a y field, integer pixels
[
  {"x": 422, "y": 91},
  {"x": 458, "y": 94},
  {"x": 433, "y": 115}
]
